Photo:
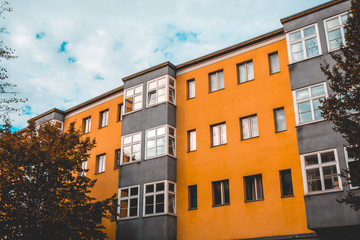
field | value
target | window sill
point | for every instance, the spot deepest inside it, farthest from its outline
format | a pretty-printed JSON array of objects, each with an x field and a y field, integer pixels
[
  {"x": 191, "y": 209},
  {"x": 305, "y": 59},
  {"x": 250, "y": 201},
  {"x": 240, "y": 83},
  {"x": 281, "y": 131},
  {"x": 132, "y": 112},
  {"x": 324, "y": 192},
  {"x": 159, "y": 214},
  {"x": 310, "y": 122},
  {"x": 122, "y": 164},
  {"x": 157, "y": 104},
  {"x": 99, "y": 173},
  {"x": 85, "y": 133},
  {"x": 103, "y": 127},
  {"x": 274, "y": 73},
  {"x": 191, "y": 151},
  {"x": 217, "y": 90},
  {"x": 127, "y": 218},
  {"x": 190, "y": 98},
  {"x": 218, "y": 145},
  {"x": 220, "y": 205},
  {"x": 249, "y": 138},
  {"x": 288, "y": 196}
]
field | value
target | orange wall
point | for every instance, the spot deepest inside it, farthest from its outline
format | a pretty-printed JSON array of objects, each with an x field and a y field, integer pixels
[
  {"x": 267, "y": 154},
  {"x": 107, "y": 140}
]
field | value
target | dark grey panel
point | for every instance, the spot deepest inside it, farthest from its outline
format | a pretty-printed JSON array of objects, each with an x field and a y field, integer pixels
[
  {"x": 50, "y": 116},
  {"x": 323, "y": 211},
  {"x": 157, "y": 227}
]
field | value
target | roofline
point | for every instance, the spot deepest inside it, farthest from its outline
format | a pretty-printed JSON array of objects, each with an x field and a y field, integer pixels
[
  {"x": 310, "y": 10},
  {"x": 102, "y": 96},
  {"x": 231, "y": 48},
  {"x": 148, "y": 70},
  {"x": 46, "y": 113}
]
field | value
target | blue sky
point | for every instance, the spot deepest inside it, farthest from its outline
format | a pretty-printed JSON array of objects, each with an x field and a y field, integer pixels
[{"x": 72, "y": 50}]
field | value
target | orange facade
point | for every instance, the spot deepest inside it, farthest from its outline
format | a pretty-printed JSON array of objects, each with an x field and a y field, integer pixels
[
  {"x": 266, "y": 154},
  {"x": 108, "y": 139}
]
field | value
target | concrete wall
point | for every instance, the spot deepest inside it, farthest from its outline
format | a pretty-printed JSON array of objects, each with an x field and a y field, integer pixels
[{"x": 50, "y": 116}]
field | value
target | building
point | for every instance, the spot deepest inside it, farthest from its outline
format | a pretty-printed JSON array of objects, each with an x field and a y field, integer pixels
[{"x": 230, "y": 145}]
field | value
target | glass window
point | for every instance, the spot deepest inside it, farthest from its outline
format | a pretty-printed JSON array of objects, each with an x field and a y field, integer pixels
[
  {"x": 160, "y": 141},
  {"x": 335, "y": 31},
  {"x": 303, "y": 43},
  {"x": 191, "y": 88},
  {"x": 100, "y": 163},
  {"x": 86, "y": 125},
  {"x": 321, "y": 171},
  {"x": 133, "y": 98},
  {"x": 192, "y": 191},
  {"x": 274, "y": 63},
  {"x": 221, "y": 194},
  {"x": 117, "y": 158},
  {"x": 120, "y": 112},
  {"x": 129, "y": 202},
  {"x": 308, "y": 103},
  {"x": 218, "y": 134},
  {"x": 192, "y": 140},
  {"x": 83, "y": 169},
  {"x": 160, "y": 198},
  {"x": 253, "y": 188},
  {"x": 352, "y": 165},
  {"x": 131, "y": 150},
  {"x": 246, "y": 71},
  {"x": 286, "y": 183},
  {"x": 161, "y": 90},
  {"x": 249, "y": 127},
  {"x": 216, "y": 80},
  {"x": 104, "y": 118},
  {"x": 280, "y": 122}
]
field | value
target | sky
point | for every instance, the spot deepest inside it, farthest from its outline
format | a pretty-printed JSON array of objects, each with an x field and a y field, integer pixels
[{"x": 70, "y": 51}]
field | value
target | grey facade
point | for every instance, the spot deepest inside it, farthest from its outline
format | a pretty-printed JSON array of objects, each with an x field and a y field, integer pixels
[
  {"x": 148, "y": 170},
  {"x": 324, "y": 215}
]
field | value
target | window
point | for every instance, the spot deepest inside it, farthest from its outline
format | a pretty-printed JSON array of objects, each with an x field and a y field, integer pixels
[
  {"x": 117, "y": 158},
  {"x": 274, "y": 63},
  {"x": 190, "y": 88},
  {"x": 246, "y": 71},
  {"x": 308, "y": 103},
  {"x": 161, "y": 90},
  {"x": 218, "y": 134},
  {"x": 253, "y": 188},
  {"x": 82, "y": 173},
  {"x": 160, "y": 141},
  {"x": 133, "y": 98},
  {"x": 286, "y": 183},
  {"x": 131, "y": 150},
  {"x": 104, "y": 118},
  {"x": 100, "y": 163},
  {"x": 280, "y": 122},
  {"x": 86, "y": 125},
  {"x": 120, "y": 112},
  {"x": 352, "y": 165},
  {"x": 191, "y": 140},
  {"x": 129, "y": 202},
  {"x": 192, "y": 191},
  {"x": 249, "y": 127},
  {"x": 58, "y": 124},
  {"x": 159, "y": 198},
  {"x": 216, "y": 80},
  {"x": 335, "y": 31},
  {"x": 303, "y": 43},
  {"x": 321, "y": 171},
  {"x": 221, "y": 195}
]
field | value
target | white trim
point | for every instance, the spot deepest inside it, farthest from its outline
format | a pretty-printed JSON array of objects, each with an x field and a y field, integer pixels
[
  {"x": 128, "y": 198},
  {"x": 130, "y": 144},
  {"x": 229, "y": 55},
  {"x": 167, "y": 86},
  {"x": 341, "y": 26},
  {"x": 167, "y": 137},
  {"x": 134, "y": 95},
  {"x": 97, "y": 103}
]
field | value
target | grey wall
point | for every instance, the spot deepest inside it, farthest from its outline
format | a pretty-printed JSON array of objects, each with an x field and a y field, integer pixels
[{"x": 50, "y": 116}]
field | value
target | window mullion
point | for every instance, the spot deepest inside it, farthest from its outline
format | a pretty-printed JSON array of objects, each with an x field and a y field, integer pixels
[
  {"x": 255, "y": 189},
  {"x": 321, "y": 172}
]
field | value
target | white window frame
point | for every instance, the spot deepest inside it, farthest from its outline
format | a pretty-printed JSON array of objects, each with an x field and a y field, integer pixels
[
  {"x": 100, "y": 158},
  {"x": 220, "y": 135},
  {"x": 348, "y": 160},
  {"x": 167, "y": 136},
  {"x": 132, "y": 92},
  {"x": 191, "y": 140},
  {"x": 311, "y": 99},
  {"x": 341, "y": 27},
  {"x": 302, "y": 40},
  {"x": 86, "y": 125},
  {"x": 246, "y": 73},
  {"x": 104, "y": 118},
  {"x": 165, "y": 85},
  {"x": 320, "y": 167},
  {"x": 123, "y": 146},
  {"x": 166, "y": 193},
  {"x": 128, "y": 198},
  {"x": 250, "y": 128},
  {"x": 218, "y": 82}
]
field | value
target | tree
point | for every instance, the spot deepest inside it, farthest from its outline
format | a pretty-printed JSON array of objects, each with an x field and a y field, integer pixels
[
  {"x": 342, "y": 108},
  {"x": 43, "y": 191},
  {"x": 8, "y": 94}
]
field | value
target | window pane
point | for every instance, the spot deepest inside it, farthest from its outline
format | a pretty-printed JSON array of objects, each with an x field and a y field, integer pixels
[
  {"x": 311, "y": 47},
  {"x": 254, "y": 127},
  {"x": 245, "y": 128},
  {"x": 192, "y": 196},
  {"x": 123, "y": 208},
  {"x": 313, "y": 180},
  {"x": 327, "y": 157},
  {"x": 311, "y": 160},
  {"x": 160, "y": 187},
  {"x": 331, "y": 180},
  {"x": 161, "y": 82},
  {"x": 150, "y": 133},
  {"x": 344, "y": 19},
  {"x": 149, "y": 205},
  {"x": 160, "y": 202},
  {"x": 149, "y": 188},
  {"x": 171, "y": 146},
  {"x": 136, "y": 137},
  {"x": 332, "y": 23},
  {"x": 129, "y": 92},
  {"x": 133, "y": 207},
  {"x": 242, "y": 75},
  {"x": 286, "y": 183},
  {"x": 192, "y": 141},
  {"x": 318, "y": 90},
  {"x": 274, "y": 63},
  {"x": 223, "y": 133},
  {"x": 316, "y": 106},
  {"x": 335, "y": 38},
  {"x": 295, "y": 36},
  {"x": 304, "y": 107},
  {"x": 250, "y": 71},
  {"x": 171, "y": 203},
  {"x": 160, "y": 131},
  {"x": 280, "y": 122},
  {"x": 221, "y": 79},
  {"x": 150, "y": 144},
  {"x": 152, "y": 85},
  {"x": 259, "y": 188},
  {"x": 124, "y": 192},
  {"x": 151, "y": 152},
  {"x": 296, "y": 47},
  {"x": 138, "y": 89},
  {"x": 134, "y": 191},
  {"x": 309, "y": 31},
  {"x": 127, "y": 154},
  {"x": 249, "y": 189},
  {"x": 226, "y": 192},
  {"x": 152, "y": 98},
  {"x": 213, "y": 83},
  {"x": 302, "y": 94},
  {"x": 217, "y": 192},
  {"x": 215, "y": 135},
  {"x": 191, "y": 89}
]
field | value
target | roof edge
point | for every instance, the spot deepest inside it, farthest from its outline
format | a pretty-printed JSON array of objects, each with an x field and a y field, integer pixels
[
  {"x": 310, "y": 10},
  {"x": 46, "y": 113},
  {"x": 148, "y": 70},
  {"x": 231, "y": 48}
]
